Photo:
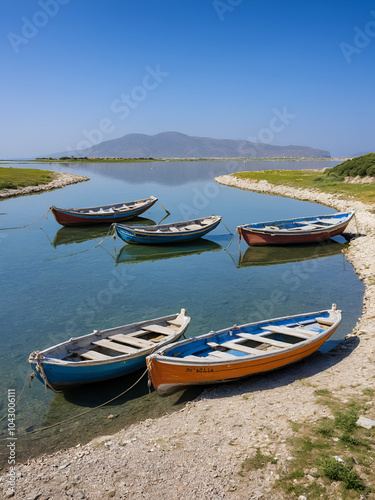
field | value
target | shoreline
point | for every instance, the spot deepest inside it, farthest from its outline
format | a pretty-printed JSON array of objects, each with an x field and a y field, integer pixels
[
  {"x": 198, "y": 451},
  {"x": 60, "y": 180}
]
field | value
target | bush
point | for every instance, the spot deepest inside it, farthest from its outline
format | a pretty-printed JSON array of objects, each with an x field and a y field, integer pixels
[
  {"x": 359, "y": 166},
  {"x": 338, "y": 471}
]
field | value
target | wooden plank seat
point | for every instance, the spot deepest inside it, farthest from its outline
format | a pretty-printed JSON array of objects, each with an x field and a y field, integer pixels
[
  {"x": 174, "y": 322},
  {"x": 294, "y": 332},
  {"x": 325, "y": 321},
  {"x": 242, "y": 348},
  {"x": 127, "y": 339},
  {"x": 222, "y": 355},
  {"x": 162, "y": 330},
  {"x": 108, "y": 344},
  {"x": 93, "y": 355},
  {"x": 193, "y": 227},
  {"x": 263, "y": 340}
]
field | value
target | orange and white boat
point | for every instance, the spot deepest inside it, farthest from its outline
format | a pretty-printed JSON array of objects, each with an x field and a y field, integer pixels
[{"x": 240, "y": 351}]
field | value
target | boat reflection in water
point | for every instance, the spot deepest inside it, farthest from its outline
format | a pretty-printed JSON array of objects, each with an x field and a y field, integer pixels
[
  {"x": 141, "y": 253},
  {"x": 272, "y": 255},
  {"x": 78, "y": 234}
]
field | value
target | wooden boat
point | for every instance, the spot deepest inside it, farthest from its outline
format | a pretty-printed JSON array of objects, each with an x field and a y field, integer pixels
[
  {"x": 240, "y": 351},
  {"x": 131, "y": 254},
  {"x": 102, "y": 215},
  {"x": 105, "y": 354},
  {"x": 175, "y": 232},
  {"x": 292, "y": 231}
]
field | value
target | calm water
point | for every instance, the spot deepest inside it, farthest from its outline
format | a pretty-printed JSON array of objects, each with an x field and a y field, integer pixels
[{"x": 55, "y": 284}]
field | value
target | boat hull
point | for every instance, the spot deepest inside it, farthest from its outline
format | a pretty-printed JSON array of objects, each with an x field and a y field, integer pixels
[
  {"x": 67, "y": 217},
  {"x": 168, "y": 379},
  {"x": 61, "y": 378},
  {"x": 256, "y": 236},
  {"x": 133, "y": 236}
]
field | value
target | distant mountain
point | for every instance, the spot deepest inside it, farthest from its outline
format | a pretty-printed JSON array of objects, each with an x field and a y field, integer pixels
[{"x": 177, "y": 145}]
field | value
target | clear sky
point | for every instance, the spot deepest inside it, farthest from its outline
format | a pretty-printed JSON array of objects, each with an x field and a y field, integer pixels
[{"x": 75, "y": 72}]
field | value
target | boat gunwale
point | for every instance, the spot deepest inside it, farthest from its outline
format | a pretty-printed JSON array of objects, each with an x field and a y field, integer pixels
[
  {"x": 162, "y": 358},
  {"x": 292, "y": 232},
  {"x": 80, "y": 211},
  {"x": 112, "y": 359},
  {"x": 139, "y": 230}
]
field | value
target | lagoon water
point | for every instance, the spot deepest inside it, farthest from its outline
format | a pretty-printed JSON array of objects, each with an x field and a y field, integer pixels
[{"x": 56, "y": 284}]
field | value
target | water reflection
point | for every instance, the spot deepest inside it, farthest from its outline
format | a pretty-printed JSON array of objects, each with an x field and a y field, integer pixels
[
  {"x": 72, "y": 234},
  {"x": 272, "y": 255},
  {"x": 130, "y": 254}
]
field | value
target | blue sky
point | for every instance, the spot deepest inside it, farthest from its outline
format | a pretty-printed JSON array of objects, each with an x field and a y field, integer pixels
[{"x": 75, "y": 72}]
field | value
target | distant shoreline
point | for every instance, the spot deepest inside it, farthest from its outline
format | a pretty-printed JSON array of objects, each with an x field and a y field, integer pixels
[{"x": 143, "y": 160}]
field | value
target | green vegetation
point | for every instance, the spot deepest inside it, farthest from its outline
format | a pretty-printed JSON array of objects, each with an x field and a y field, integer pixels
[
  {"x": 332, "y": 457},
  {"x": 14, "y": 178},
  {"x": 308, "y": 179},
  {"x": 359, "y": 166},
  {"x": 258, "y": 461}
]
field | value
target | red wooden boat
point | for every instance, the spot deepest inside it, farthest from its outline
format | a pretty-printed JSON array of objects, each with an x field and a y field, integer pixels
[
  {"x": 104, "y": 214},
  {"x": 292, "y": 231}
]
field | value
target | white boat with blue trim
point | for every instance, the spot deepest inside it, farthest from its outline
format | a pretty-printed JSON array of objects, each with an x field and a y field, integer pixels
[{"x": 106, "y": 354}]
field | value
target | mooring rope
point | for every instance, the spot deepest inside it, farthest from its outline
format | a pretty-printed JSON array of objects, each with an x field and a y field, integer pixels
[
  {"x": 164, "y": 208},
  {"x": 21, "y": 227},
  {"x": 109, "y": 233},
  {"x": 231, "y": 239},
  {"x": 230, "y": 232},
  {"x": 82, "y": 413}
]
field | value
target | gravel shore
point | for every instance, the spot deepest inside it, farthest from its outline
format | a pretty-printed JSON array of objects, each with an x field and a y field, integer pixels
[
  {"x": 197, "y": 453},
  {"x": 60, "y": 180}
]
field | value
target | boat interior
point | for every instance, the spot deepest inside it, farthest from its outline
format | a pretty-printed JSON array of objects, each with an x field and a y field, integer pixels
[
  {"x": 102, "y": 346},
  {"x": 253, "y": 340}
]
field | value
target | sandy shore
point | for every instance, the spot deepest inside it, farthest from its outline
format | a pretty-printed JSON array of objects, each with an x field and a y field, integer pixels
[
  {"x": 60, "y": 180},
  {"x": 197, "y": 453}
]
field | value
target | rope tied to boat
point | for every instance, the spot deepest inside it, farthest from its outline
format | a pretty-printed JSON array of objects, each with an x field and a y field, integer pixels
[
  {"x": 164, "y": 208},
  {"x": 229, "y": 231},
  {"x": 79, "y": 414},
  {"x": 231, "y": 239},
  {"x": 26, "y": 225}
]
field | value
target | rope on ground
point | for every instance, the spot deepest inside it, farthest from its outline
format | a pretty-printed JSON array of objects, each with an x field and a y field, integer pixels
[
  {"x": 19, "y": 397},
  {"x": 164, "y": 208},
  {"x": 21, "y": 227},
  {"x": 230, "y": 232},
  {"x": 231, "y": 240},
  {"x": 82, "y": 413}
]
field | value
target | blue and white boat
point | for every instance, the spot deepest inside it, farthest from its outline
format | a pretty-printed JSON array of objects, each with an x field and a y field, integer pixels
[
  {"x": 175, "y": 232},
  {"x": 106, "y": 354}
]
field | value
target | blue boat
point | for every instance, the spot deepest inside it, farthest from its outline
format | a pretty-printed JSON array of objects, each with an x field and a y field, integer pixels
[
  {"x": 106, "y": 354},
  {"x": 175, "y": 232}
]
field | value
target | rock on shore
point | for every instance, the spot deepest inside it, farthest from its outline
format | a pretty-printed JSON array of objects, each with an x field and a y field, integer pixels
[
  {"x": 197, "y": 453},
  {"x": 60, "y": 180}
]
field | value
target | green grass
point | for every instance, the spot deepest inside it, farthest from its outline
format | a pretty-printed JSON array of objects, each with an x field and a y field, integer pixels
[
  {"x": 316, "y": 446},
  {"x": 14, "y": 178},
  {"x": 314, "y": 180}
]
